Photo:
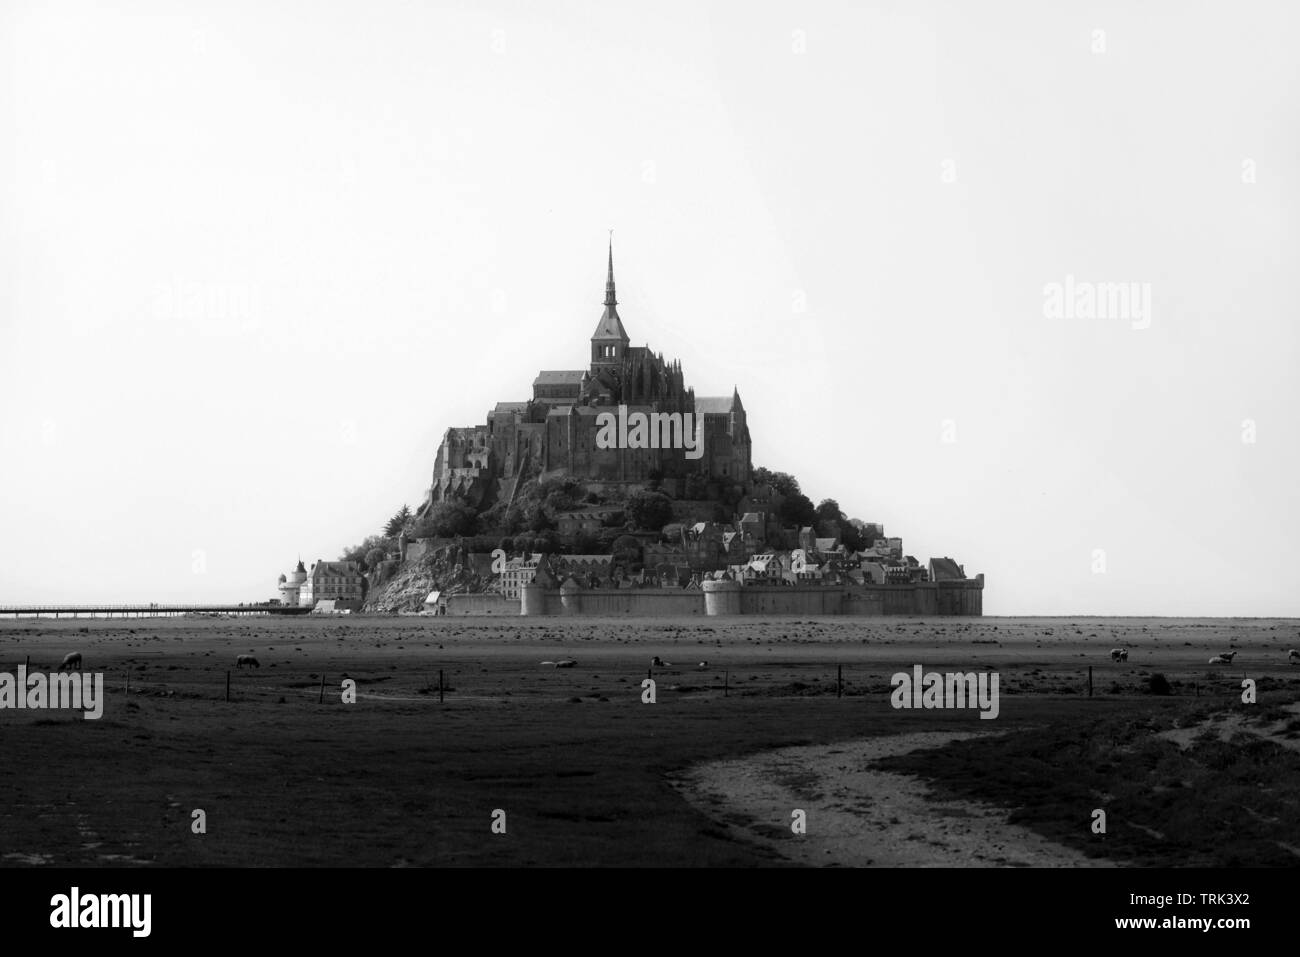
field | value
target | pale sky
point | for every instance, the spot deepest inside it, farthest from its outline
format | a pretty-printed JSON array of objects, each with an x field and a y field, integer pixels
[{"x": 255, "y": 258}]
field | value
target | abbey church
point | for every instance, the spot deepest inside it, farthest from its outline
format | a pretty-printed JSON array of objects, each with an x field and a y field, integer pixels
[{"x": 554, "y": 433}]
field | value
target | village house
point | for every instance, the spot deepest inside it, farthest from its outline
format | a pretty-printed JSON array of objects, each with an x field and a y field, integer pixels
[
  {"x": 518, "y": 572},
  {"x": 338, "y": 582}
]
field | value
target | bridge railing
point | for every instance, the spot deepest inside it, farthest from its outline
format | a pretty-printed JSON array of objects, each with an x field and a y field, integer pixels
[{"x": 9, "y": 609}]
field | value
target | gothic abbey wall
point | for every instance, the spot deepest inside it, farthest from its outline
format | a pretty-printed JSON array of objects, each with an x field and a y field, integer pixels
[{"x": 556, "y": 429}]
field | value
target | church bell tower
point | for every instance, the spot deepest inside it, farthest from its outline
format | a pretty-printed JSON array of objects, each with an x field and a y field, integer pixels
[{"x": 609, "y": 342}]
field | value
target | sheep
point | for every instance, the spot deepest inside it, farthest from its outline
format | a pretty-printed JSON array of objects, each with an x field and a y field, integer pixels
[
  {"x": 1223, "y": 659},
  {"x": 70, "y": 660},
  {"x": 565, "y": 663},
  {"x": 249, "y": 660},
  {"x": 1119, "y": 654},
  {"x": 1293, "y": 657},
  {"x": 704, "y": 664},
  {"x": 657, "y": 662}
]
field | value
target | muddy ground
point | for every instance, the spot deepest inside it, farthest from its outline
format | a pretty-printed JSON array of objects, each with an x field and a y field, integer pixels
[{"x": 585, "y": 773}]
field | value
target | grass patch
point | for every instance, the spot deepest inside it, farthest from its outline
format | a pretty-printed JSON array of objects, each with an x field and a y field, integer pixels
[{"x": 1165, "y": 806}]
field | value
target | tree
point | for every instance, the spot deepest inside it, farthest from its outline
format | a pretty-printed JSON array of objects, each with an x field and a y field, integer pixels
[
  {"x": 447, "y": 520},
  {"x": 869, "y": 531},
  {"x": 797, "y": 509},
  {"x": 697, "y": 486},
  {"x": 585, "y": 543},
  {"x": 650, "y": 510},
  {"x": 851, "y": 535},
  {"x": 513, "y": 521},
  {"x": 374, "y": 557},
  {"x": 398, "y": 522},
  {"x": 783, "y": 483},
  {"x": 559, "y": 496},
  {"x": 360, "y": 553},
  {"x": 626, "y": 550},
  {"x": 547, "y": 542},
  {"x": 829, "y": 511}
]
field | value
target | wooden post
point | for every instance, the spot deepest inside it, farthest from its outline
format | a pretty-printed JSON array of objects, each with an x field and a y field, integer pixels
[
  {"x": 839, "y": 681},
  {"x": 27, "y": 665},
  {"x": 439, "y": 686},
  {"x": 1089, "y": 681},
  {"x": 227, "y": 685},
  {"x": 320, "y": 699}
]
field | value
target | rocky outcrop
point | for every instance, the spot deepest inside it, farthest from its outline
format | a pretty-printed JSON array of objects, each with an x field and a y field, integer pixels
[{"x": 408, "y": 584}]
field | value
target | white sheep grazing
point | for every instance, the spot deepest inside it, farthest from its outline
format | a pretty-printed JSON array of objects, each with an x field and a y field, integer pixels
[
  {"x": 1119, "y": 654},
  {"x": 249, "y": 660},
  {"x": 704, "y": 664},
  {"x": 565, "y": 663},
  {"x": 1223, "y": 659},
  {"x": 1293, "y": 657},
  {"x": 73, "y": 659}
]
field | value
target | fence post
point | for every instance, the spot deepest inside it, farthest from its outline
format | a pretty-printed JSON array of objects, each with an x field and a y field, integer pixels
[
  {"x": 839, "y": 681},
  {"x": 320, "y": 699}
]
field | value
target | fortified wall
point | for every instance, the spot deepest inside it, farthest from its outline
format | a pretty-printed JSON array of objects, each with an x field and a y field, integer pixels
[{"x": 922, "y": 599}]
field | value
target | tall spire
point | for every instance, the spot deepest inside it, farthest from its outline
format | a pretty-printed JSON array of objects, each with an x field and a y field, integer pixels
[
  {"x": 609, "y": 343},
  {"x": 609, "y": 279}
]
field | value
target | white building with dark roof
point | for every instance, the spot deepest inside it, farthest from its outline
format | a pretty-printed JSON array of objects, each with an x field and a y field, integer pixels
[{"x": 339, "y": 582}]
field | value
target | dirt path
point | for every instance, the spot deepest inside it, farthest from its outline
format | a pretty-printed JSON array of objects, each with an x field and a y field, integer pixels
[{"x": 860, "y": 817}]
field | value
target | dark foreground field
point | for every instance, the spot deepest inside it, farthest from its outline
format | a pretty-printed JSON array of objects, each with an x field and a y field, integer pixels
[{"x": 586, "y": 773}]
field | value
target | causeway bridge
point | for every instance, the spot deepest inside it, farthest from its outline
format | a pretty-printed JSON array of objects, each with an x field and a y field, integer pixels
[{"x": 146, "y": 610}]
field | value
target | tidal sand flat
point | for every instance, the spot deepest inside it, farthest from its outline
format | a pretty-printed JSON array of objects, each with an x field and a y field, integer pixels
[
  {"x": 289, "y": 773},
  {"x": 860, "y": 816}
]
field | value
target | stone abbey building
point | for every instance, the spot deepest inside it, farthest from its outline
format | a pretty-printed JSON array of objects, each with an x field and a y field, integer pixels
[{"x": 554, "y": 433}]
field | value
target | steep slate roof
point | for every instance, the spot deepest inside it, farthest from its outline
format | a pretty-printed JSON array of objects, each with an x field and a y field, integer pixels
[
  {"x": 335, "y": 568},
  {"x": 945, "y": 569},
  {"x": 713, "y": 405},
  {"x": 610, "y": 325},
  {"x": 560, "y": 377}
]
